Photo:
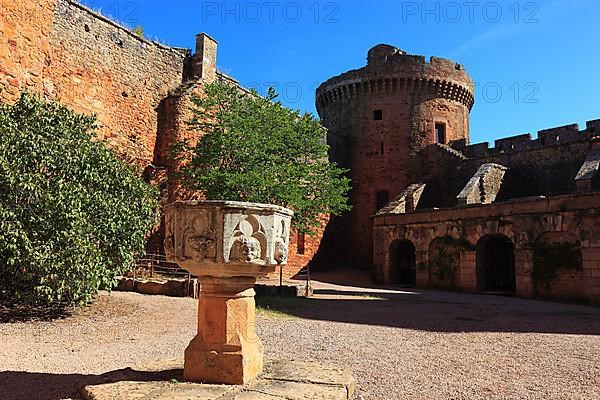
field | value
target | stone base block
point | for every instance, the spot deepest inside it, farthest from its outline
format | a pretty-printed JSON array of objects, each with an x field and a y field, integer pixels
[
  {"x": 282, "y": 380},
  {"x": 211, "y": 365}
]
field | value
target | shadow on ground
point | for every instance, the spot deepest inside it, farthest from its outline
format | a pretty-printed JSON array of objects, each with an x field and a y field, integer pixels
[
  {"x": 30, "y": 314},
  {"x": 43, "y": 386},
  {"x": 434, "y": 311}
]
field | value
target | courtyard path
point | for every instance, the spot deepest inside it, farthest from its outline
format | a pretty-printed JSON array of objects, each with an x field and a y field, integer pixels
[{"x": 400, "y": 344}]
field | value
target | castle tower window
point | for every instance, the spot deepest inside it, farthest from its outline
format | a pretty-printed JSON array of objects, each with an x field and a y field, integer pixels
[
  {"x": 378, "y": 115},
  {"x": 440, "y": 133},
  {"x": 382, "y": 199},
  {"x": 301, "y": 243}
]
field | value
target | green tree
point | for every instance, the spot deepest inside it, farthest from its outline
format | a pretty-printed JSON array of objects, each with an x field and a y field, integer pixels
[
  {"x": 254, "y": 149},
  {"x": 72, "y": 215}
]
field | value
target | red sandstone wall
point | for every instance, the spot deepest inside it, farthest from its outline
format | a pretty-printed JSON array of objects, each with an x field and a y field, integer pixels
[
  {"x": 67, "y": 53},
  {"x": 25, "y": 29},
  {"x": 297, "y": 261},
  {"x": 568, "y": 283}
]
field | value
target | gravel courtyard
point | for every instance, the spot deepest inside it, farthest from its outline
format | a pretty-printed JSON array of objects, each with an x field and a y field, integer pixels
[{"x": 399, "y": 345}]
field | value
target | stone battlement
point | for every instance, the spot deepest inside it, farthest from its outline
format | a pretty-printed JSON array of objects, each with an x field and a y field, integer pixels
[
  {"x": 391, "y": 70},
  {"x": 383, "y": 54},
  {"x": 524, "y": 142},
  {"x": 67, "y": 4}
]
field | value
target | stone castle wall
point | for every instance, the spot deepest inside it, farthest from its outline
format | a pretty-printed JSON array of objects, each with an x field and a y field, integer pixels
[
  {"x": 411, "y": 96},
  {"x": 536, "y": 197},
  {"x": 543, "y": 166},
  {"x": 68, "y": 53},
  {"x": 25, "y": 30}
]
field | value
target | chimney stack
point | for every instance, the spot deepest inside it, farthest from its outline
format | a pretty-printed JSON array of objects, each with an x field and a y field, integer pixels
[{"x": 205, "y": 60}]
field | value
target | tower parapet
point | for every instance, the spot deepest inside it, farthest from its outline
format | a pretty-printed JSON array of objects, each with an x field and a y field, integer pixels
[{"x": 390, "y": 69}]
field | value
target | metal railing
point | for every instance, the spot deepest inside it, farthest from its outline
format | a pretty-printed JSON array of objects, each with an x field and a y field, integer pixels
[{"x": 157, "y": 266}]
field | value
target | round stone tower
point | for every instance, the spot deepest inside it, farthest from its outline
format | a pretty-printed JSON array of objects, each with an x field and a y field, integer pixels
[{"x": 378, "y": 118}]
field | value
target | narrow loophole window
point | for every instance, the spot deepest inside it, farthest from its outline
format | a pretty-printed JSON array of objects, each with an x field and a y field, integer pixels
[{"x": 300, "y": 243}]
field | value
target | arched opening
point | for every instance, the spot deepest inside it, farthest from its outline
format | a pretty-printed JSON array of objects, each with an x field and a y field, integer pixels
[
  {"x": 596, "y": 182},
  {"x": 496, "y": 264},
  {"x": 403, "y": 263}
]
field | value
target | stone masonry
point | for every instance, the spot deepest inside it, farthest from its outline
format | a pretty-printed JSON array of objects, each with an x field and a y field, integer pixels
[
  {"x": 66, "y": 52},
  {"x": 520, "y": 218}
]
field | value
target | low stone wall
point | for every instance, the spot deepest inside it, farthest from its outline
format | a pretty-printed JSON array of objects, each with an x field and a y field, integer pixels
[
  {"x": 184, "y": 288},
  {"x": 519, "y": 224},
  {"x": 163, "y": 287},
  {"x": 287, "y": 290}
]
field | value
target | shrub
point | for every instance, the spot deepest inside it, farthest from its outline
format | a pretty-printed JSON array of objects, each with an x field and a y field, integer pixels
[{"x": 72, "y": 215}]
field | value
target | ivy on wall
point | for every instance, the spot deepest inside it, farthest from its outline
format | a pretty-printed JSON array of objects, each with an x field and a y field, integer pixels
[
  {"x": 445, "y": 262},
  {"x": 549, "y": 259}
]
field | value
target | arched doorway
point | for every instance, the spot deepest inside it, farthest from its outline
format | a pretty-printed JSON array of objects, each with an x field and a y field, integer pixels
[
  {"x": 496, "y": 264},
  {"x": 403, "y": 263}
]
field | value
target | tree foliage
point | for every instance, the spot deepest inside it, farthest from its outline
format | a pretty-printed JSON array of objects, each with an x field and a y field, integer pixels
[
  {"x": 139, "y": 31},
  {"x": 72, "y": 215},
  {"x": 254, "y": 149}
]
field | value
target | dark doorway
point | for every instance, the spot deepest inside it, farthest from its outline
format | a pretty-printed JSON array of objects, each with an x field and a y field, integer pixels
[
  {"x": 440, "y": 133},
  {"x": 596, "y": 182},
  {"x": 403, "y": 265},
  {"x": 496, "y": 265}
]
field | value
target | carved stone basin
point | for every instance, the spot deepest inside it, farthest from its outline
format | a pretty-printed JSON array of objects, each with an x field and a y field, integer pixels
[
  {"x": 226, "y": 238},
  {"x": 227, "y": 245}
]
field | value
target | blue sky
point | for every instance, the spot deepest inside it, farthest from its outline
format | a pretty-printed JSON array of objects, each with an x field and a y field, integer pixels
[{"x": 535, "y": 63}]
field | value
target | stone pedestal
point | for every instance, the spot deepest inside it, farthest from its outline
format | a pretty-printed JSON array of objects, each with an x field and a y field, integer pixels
[
  {"x": 226, "y": 349},
  {"x": 227, "y": 245}
]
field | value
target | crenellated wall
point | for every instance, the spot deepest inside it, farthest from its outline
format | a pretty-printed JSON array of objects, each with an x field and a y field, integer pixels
[
  {"x": 517, "y": 144},
  {"x": 547, "y": 165},
  {"x": 515, "y": 199}
]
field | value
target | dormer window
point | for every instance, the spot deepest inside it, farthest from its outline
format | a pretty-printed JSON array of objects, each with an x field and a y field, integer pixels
[{"x": 378, "y": 115}]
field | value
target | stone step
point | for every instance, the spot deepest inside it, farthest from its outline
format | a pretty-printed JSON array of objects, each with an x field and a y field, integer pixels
[{"x": 282, "y": 380}]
